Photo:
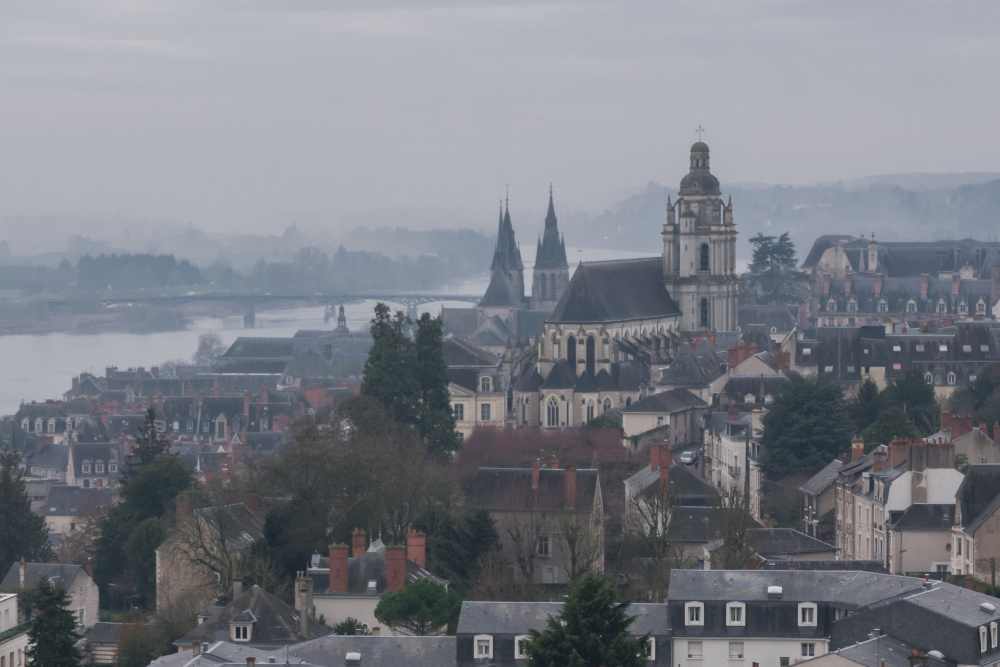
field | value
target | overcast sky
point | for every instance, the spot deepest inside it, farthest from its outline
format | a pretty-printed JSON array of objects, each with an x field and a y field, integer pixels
[{"x": 249, "y": 114}]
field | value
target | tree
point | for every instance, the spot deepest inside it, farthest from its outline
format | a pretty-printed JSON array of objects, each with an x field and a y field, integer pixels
[
  {"x": 135, "y": 647},
  {"x": 437, "y": 419},
  {"x": 53, "y": 633},
  {"x": 22, "y": 532},
  {"x": 582, "y": 541},
  {"x": 772, "y": 277},
  {"x": 389, "y": 375},
  {"x": 592, "y": 630},
  {"x": 732, "y": 513},
  {"x": 350, "y": 626},
  {"x": 865, "y": 405},
  {"x": 140, "y": 556},
  {"x": 808, "y": 425},
  {"x": 892, "y": 422},
  {"x": 424, "y": 607},
  {"x": 210, "y": 346},
  {"x": 912, "y": 394},
  {"x": 149, "y": 445}
]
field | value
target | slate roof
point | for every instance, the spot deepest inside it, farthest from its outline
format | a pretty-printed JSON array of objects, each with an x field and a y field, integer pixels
[
  {"x": 881, "y": 651},
  {"x": 688, "y": 370},
  {"x": 979, "y": 494},
  {"x": 530, "y": 322},
  {"x": 65, "y": 500},
  {"x": 50, "y": 456},
  {"x": 35, "y": 572},
  {"x": 874, "y": 566},
  {"x": 615, "y": 291},
  {"x": 846, "y": 588},
  {"x": 926, "y": 516},
  {"x": 318, "y": 366},
  {"x": 104, "y": 632},
  {"x": 510, "y": 489},
  {"x": 239, "y": 524},
  {"x": 674, "y": 400},
  {"x": 91, "y": 452},
  {"x": 784, "y": 541},
  {"x": 759, "y": 335},
  {"x": 500, "y": 292},
  {"x": 551, "y": 252},
  {"x": 781, "y": 319},
  {"x": 459, "y": 352},
  {"x": 821, "y": 245},
  {"x": 461, "y": 322},
  {"x": 275, "y": 622},
  {"x": 685, "y": 487},
  {"x": 382, "y": 650},
  {"x": 822, "y": 480},
  {"x": 516, "y": 618}
]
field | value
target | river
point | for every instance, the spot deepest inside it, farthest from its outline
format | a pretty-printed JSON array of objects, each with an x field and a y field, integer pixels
[{"x": 38, "y": 367}]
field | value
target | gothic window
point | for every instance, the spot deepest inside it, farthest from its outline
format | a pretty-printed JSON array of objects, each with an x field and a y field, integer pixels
[
  {"x": 703, "y": 318},
  {"x": 543, "y": 288},
  {"x": 963, "y": 308},
  {"x": 883, "y": 307},
  {"x": 852, "y": 306},
  {"x": 571, "y": 351},
  {"x": 552, "y": 286},
  {"x": 911, "y": 306},
  {"x": 590, "y": 410},
  {"x": 607, "y": 403},
  {"x": 591, "y": 354},
  {"x": 942, "y": 308},
  {"x": 831, "y": 306},
  {"x": 703, "y": 264},
  {"x": 981, "y": 307},
  {"x": 553, "y": 412}
]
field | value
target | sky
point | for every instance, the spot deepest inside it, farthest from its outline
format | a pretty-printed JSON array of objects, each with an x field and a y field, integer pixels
[{"x": 247, "y": 115}]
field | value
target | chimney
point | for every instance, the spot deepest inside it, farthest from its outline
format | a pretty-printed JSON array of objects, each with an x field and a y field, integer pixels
[
  {"x": 734, "y": 413},
  {"x": 201, "y": 396},
  {"x": 878, "y": 284},
  {"x": 376, "y": 631},
  {"x": 358, "y": 543},
  {"x": 924, "y": 281},
  {"x": 857, "y": 448},
  {"x": 945, "y": 418},
  {"x": 554, "y": 463},
  {"x": 416, "y": 548},
  {"x": 956, "y": 280},
  {"x": 53, "y": 561},
  {"x": 654, "y": 456},
  {"x": 21, "y": 571},
  {"x": 76, "y": 385},
  {"x": 89, "y": 569},
  {"x": 338, "y": 568},
  {"x": 961, "y": 424},
  {"x": 246, "y": 402},
  {"x": 303, "y": 602},
  {"x": 196, "y": 647},
  {"x": 536, "y": 468},
  {"x": 183, "y": 507},
  {"x": 848, "y": 280},
  {"x": 880, "y": 458},
  {"x": 264, "y": 393},
  {"x": 570, "y": 479},
  {"x": 250, "y": 501},
  {"x": 395, "y": 568},
  {"x": 237, "y": 588},
  {"x": 996, "y": 429},
  {"x": 826, "y": 283},
  {"x": 251, "y": 661}
]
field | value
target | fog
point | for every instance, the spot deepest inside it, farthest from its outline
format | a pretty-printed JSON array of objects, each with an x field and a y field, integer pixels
[{"x": 247, "y": 116}]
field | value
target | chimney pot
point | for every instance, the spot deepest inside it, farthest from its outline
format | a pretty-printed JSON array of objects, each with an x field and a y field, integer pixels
[
  {"x": 570, "y": 479},
  {"x": 196, "y": 647},
  {"x": 251, "y": 661},
  {"x": 536, "y": 468},
  {"x": 338, "y": 568},
  {"x": 554, "y": 463},
  {"x": 416, "y": 548},
  {"x": 358, "y": 543}
]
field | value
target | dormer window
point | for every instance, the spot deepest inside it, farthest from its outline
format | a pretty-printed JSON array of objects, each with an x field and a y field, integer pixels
[
  {"x": 25, "y": 424},
  {"x": 735, "y": 614},
  {"x": 694, "y": 613},
  {"x": 928, "y": 378},
  {"x": 963, "y": 308},
  {"x": 38, "y": 425},
  {"x": 485, "y": 384},
  {"x": 911, "y": 306},
  {"x": 112, "y": 467},
  {"x": 521, "y": 647},
  {"x": 807, "y": 614},
  {"x": 85, "y": 468},
  {"x": 942, "y": 308},
  {"x": 883, "y": 306},
  {"x": 241, "y": 632},
  {"x": 52, "y": 425},
  {"x": 993, "y": 634},
  {"x": 831, "y": 306},
  {"x": 483, "y": 647},
  {"x": 852, "y": 306},
  {"x": 983, "y": 646},
  {"x": 99, "y": 467},
  {"x": 951, "y": 378},
  {"x": 981, "y": 307}
]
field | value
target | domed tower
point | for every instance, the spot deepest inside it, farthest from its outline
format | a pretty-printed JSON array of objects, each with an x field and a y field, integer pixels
[
  {"x": 551, "y": 271},
  {"x": 699, "y": 250}
]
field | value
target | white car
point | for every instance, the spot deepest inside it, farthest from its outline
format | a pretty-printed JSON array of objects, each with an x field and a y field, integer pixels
[{"x": 689, "y": 457}]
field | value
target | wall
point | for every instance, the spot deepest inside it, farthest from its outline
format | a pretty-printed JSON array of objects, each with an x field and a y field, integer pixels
[
  {"x": 85, "y": 594},
  {"x": 335, "y": 608},
  {"x": 919, "y": 550},
  {"x": 764, "y": 651}
]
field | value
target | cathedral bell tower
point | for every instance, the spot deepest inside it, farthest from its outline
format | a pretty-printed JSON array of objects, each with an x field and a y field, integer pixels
[
  {"x": 551, "y": 272},
  {"x": 699, "y": 250}
]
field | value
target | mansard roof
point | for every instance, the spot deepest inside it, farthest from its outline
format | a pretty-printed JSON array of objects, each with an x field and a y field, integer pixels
[
  {"x": 616, "y": 291},
  {"x": 551, "y": 253},
  {"x": 780, "y": 319}
]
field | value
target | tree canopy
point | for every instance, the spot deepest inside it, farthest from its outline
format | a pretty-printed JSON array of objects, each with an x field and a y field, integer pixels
[
  {"x": 437, "y": 420},
  {"x": 210, "y": 346},
  {"x": 149, "y": 444},
  {"x": 424, "y": 607},
  {"x": 809, "y": 424},
  {"x": 592, "y": 630},
  {"x": 53, "y": 631},
  {"x": 22, "y": 532},
  {"x": 772, "y": 277}
]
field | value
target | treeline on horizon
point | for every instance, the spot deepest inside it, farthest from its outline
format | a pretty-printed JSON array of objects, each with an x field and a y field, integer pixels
[{"x": 423, "y": 260}]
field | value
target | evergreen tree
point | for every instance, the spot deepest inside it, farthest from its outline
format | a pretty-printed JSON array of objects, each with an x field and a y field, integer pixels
[
  {"x": 808, "y": 425},
  {"x": 437, "y": 420},
  {"x": 22, "y": 532},
  {"x": 149, "y": 444},
  {"x": 390, "y": 370},
  {"x": 592, "y": 630},
  {"x": 53, "y": 633},
  {"x": 423, "y": 608}
]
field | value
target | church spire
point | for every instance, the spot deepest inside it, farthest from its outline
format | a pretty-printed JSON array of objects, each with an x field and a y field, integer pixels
[{"x": 551, "y": 252}]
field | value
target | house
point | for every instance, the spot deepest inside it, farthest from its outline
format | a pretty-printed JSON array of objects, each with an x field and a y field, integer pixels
[
  {"x": 64, "y": 505},
  {"x": 191, "y": 561},
  {"x": 254, "y": 618},
  {"x": 693, "y": 371},
  {"x": 976, "y": 529},
  {"x": 477, "y": 385},
  {"x": 49, "y": 461},
  {"x": 495, "y": 632},
  {"x": 84, "y": 596},
  {"x": 549, "y": 520},
  {"x": 93, "y": 464},
  {"x": 732, "y": 451},
  {"x": 678, "y": 409},
  {"x": 14, "y": 639},
  {"x": 352, "y": 583},
  {"x": 819, "y": 502},
  {"x": 767, "y": 617},
  {"x": 922, "y": 537}
]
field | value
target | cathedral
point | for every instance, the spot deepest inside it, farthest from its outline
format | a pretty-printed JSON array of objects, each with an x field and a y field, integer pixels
[{"x": 619, "y": 323}]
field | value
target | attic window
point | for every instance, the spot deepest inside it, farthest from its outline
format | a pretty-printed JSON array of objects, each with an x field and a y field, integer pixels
[
  {"x": 484, "y": 647},
  {"x": 372, "y": 586},
  {"x": 521, "y": 647},
  {"x": 807, "y": 351},
  {"x": 943, "y": 348},
  {"x": 850, "y": 369},
  {"x": 85, "y": 468},
  {"x": 112, "y": 467},
  {"x": 966, "y": 348},
  {"x": 807, "y": 613},
  {"x": 828, "y": 369},
  {"x": 920, "y": 347},
  {"x": 972, "y": 377},
  {"x": 241, "y": 633},
  {"x": 897, "y": 348},
  {"x": 694, "y": 613},
  {"x": 984, "y": 348}
]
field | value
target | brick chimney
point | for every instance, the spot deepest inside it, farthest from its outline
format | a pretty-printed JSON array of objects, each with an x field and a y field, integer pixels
[
  {"x": 848, "y": 281},
  {"x": 395, "y": 568},
  {"x": 536, "y": 468},
  {"x": 945, "y": 418},
  {"x": 878, "y": 284},
  {"x": 246, "y": 402},
  {"x": 359, "y": 543},
  {"x": 961, "y": 424},
  {"x": 880, "y": 458},
  {"x": 554, "y": 463},
  {"x": 338, "y": 568},
  {"x": 826, "y": 283},
  {"x": 570, "y": 482},
  {"x": 264, "y": 394},
  {"x": 924, "y": 281},
  {"x": 250, "y": 500},
  {"x": 416, "y": 548},
  {"x": 734, "y": 413},
  {"x": 956, "y": 280},
  {"x": 654, "y": 456},
  {"x": 196, "y": 647},
  {"x": 857, "y": 448}
]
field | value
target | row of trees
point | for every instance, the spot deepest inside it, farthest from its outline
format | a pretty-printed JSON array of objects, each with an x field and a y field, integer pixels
[{"x": 129, "y": 271}]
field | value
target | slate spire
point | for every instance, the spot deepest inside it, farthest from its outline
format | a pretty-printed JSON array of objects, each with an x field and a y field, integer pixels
[{"x": 551, "y": 249}]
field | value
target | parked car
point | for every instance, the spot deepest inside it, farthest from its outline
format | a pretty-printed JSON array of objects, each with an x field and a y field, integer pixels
[{"x": 689, "y": 457}]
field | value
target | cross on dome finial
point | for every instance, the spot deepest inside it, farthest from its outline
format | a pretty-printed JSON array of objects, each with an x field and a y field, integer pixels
[{"x": 699, "y": 131}]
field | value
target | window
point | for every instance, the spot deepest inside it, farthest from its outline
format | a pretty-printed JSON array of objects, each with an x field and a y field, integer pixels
[
  {"x": 941, "y": 307},
  {"x": 963, "y": 309},
  {"x": 982, "y": 639},
  {"x": 703, "y": 263},
  {"x": 735, "y": 650},
  {"x": 981, "y": 308},
  {"x": 944, "y": 347},
  {"x": 883, "y": 307},
  {"x": 98, "y": 467},
  {"x": 553, "y": 288},
  {"x": 993, "y": 633},
  {"x": 929, "y": 378},
  {"x": 897, "y": 348},
  {"x": 521, "y": 647},
  {"x": 590, "y": 410},
  {"x": 911, "y": 306},
  {"x": 459, "y": 412},
  {"x": 607, "y": 403},
  {"x": 808, "y": 649},
  {"x": 263, "y": 425},
  {"x": 951, "y": 378},
  {"x": 112, "y": 467},
  {"x": 543, "y": 545},
  {"x": 484, "y": 383},
  {"x": 484, "y": 646},
  {"x": 38, "y": 425},
  {"x": 703, "y": 316},
  {"x": 694, "y": 613},
  {"x": 220, "y": 429},
  {"x": 241, "y": 633},
  {"x": 784, "y": 662},
  {"x": 807, "y": 351},
  {"x": 484, "y": 412},
  {"x": 696, "y": 650},
  {"x": 552, "y": 410},
  {"x": 543, "y": 290},
  {"x": 81, "y": 617},
  {"x": 649, "y": 650},
  {"x": 852, "y": 306},
  {"x": 25, "y": 425},
  {"x": 807, "y": 613},
  {"x": 735, "y": 613},
  {"x": 958, "y": 547},
  {"x": 52, "y": 426},
  {"x": 85, "y": 468},
  {"x": 920, "y": 347},
  {"x": 831, "y": 306}
]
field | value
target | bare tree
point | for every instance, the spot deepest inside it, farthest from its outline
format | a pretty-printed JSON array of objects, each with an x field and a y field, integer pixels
[
  {"x": 584, "y": 548},
  {"x": 654, "y": 545},
  {"x": 733, "y": 517},
  {"x": 77, "y": 546},
  {"x": 521, "y": 524},
  {"x": 495, "y": 581}
]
